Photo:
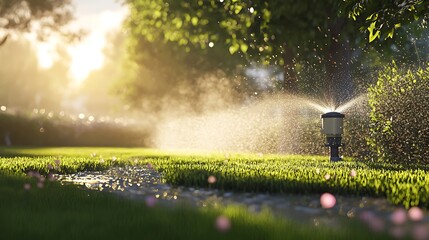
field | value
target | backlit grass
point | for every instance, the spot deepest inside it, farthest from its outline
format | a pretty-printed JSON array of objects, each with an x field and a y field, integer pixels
[
  {"x": 402, "y": 185},
  {"x": 67, "y": 212}
]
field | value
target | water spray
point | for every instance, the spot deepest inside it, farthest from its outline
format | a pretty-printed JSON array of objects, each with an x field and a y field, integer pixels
[{"x": 332, "y": 127}]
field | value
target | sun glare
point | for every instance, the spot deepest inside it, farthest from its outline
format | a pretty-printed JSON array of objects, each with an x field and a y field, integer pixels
[
  {"x": 86, "y": 55},
  {"x": 45, "y": 56}
]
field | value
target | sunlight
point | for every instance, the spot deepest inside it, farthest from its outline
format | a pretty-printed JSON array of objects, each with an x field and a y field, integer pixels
[
  {"x": 46, "y": 51},
  {"x": 45, "y": 55},
  {"x": 87, "y": 55}
]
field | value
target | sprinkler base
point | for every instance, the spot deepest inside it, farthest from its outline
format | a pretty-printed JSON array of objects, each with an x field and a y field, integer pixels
[
  {"x": 334, "y": 143},
  {"x": 336, "y": 159}
]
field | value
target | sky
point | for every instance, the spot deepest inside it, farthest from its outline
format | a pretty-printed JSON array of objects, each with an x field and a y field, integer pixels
[
  {"x": 98, "y": 18},
  {"x": 85, "y": 7}
]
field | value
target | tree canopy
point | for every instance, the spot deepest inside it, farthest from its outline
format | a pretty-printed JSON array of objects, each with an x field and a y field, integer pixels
[
  {"x": 282, "y": 33},
  {"x": 314, "y": 42},
  {"x": 42, "y": 16},
  {"x": 381, "y": 18}
]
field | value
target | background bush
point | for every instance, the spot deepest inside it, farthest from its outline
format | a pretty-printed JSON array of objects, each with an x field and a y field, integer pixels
[
  {"x": 399, "y": 129},
  {"x": 29, "y": 130}
]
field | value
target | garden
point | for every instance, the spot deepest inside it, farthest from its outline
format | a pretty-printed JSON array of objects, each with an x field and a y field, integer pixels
[{"x": 214, "y": 120}]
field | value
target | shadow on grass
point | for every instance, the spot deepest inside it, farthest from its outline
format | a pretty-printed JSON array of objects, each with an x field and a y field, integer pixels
[{"x": 10, "y": 152}]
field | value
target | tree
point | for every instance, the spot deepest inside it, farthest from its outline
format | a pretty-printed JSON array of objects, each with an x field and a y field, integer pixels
[
  {"x": 43, "y": 16},
  {"x": 381, "y": 18},
  {"x": 284, "y": 33},
  {"x": 159, "y": 71}
]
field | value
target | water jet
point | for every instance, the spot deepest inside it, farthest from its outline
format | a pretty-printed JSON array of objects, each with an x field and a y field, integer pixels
[{"x": 332, "y": 127}]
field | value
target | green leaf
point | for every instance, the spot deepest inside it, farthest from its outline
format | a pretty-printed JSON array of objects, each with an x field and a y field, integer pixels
[
  {"x": 372, "y": 35},
  {"x": 238, "y": 9},
  {"x": 244, "y": 47},
  {"x": 234, "y": 48},
  {"x": 373, "y": 17},
  {"x": 178, "y": 22},
  {"x": 194, "y": 21},
  {"x": 157, "y": 14},
  {"x": 390, "y": 34}
]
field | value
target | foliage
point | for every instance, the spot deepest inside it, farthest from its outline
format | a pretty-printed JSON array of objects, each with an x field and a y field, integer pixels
[
  {"x": 292, "y": 36},
  {"x": 161, "y": 73},
  {"x": 399, "y": 130},
  {"x": 258, "y": 29},
  {"x": 382, "y": 18},
  {"x": 56, "y": 130},
  {"x": 44, "y": 16}
]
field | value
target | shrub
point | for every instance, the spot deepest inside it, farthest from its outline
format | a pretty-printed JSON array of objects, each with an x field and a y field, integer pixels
[
  {"x": 399, "y": 130},
  {"x": 30, "y": 130}
]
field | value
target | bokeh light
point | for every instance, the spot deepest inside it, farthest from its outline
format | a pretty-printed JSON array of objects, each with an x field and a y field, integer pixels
[
  {"x": 211, "y": 179},
  {"x": 328, "y": 200},
  {"x": 399, "y": 216},
  {"x": 150, "y": 201},
  {"x": 415, "y": 214},
  {"x": 223, "y": 224},
  {"x": 27, "y": 186}
]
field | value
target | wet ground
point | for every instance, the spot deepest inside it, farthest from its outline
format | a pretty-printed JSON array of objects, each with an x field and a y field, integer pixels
[{"x": 146, "y": 184}]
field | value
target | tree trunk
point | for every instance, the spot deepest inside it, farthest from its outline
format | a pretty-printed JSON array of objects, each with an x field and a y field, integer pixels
[
  {"x": 290, "y": 81},
  {"x": 339, "y": 87}
]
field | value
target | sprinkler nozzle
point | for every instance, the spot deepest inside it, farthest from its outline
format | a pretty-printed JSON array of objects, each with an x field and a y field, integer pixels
[{"x": 332, "y": 127}]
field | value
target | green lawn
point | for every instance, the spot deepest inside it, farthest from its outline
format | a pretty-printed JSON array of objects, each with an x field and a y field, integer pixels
[
  {"x": 403, "y": 185},
  {"x": 68, "y": 212}
]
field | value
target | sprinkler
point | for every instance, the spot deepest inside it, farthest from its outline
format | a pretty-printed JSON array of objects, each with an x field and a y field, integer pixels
[{"x": 332, "y": 126}]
